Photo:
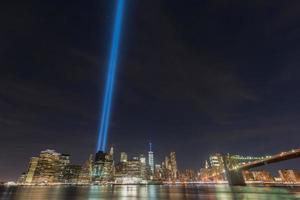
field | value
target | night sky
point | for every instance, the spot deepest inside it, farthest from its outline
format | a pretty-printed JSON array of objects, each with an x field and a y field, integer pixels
[{"x": 195, "y": 77}]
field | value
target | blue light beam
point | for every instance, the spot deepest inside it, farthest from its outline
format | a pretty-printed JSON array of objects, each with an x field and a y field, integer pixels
[{"x": 112, "y": 65}]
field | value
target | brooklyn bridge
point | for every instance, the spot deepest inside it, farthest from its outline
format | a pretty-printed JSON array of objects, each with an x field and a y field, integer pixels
[{"x": 234, "y": 174}]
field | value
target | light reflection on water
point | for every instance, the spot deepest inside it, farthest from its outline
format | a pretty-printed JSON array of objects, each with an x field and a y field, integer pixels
[{"x": 133, "y": 192}]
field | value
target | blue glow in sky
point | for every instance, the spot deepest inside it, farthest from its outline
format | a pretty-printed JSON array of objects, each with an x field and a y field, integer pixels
[{"x": 109, "y": 87}]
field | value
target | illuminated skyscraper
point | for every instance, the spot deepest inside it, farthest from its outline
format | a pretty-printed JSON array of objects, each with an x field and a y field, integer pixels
[
  {"x": 151, "y": 158},
  {"x": 133, "y": 168},
  {"x": 133, "y": 171},
  {"x": 48, "y": 169},
  {"x": 31, "y": 169},
  {"x": 143, "y": 167},
  {"x": 124, "y": 157},
  {"x": 169, "y": 168},
  {"x": 111, "y": 153},
  {"x": 158, "y": 172},
  {"x": 142, "y": 159},
  {"x": 108, "y": 169},
  {"x": 216, "y": 161},
  {"x": 85, "y": 175},
  {"x": 98, "y": 165},
  {"x": 71, "y": 174},
  {"x": 173, "y": 163},
  {"x": 64, "y": 160},
  {"x": 104, "y": 166},
  {"x": 167, "y": 163}
]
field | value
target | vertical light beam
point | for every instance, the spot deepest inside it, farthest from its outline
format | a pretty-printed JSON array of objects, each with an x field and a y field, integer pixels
[{"x": 109, "y": 86}]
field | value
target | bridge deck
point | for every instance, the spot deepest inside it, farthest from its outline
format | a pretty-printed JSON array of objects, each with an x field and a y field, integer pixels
[{"x": 295, "y": 153}]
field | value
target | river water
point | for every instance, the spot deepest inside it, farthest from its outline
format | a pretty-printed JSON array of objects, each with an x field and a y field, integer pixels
[{"x": 133, "y": 192}]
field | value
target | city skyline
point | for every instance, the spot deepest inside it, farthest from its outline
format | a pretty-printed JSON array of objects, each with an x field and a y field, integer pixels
[
  {"x": 160, "y": 157},
  {"x": 196, "y": 78},
  {"x": 51, "y": 167}
]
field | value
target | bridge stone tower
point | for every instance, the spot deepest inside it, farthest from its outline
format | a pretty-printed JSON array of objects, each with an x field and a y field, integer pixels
[{"x": 234, "y": 176}]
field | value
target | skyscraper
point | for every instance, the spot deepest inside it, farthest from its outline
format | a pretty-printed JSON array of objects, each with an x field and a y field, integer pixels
[
  {"x": 85, "y": 175},
  {"x": 151, "y": 158},
  {"x": 216, "y": 161},
  {"x": 48, "y": 169},
  {"x": 133, "y": 167},
  {"x": 173, "y": 163},
  {"x": 71, "y": 174},
  {"x": 108, "y": 168},
  {"x": 31, "y": 169},
  {"x": 104, "y": 166},
  {"x": 143, "y": 167},
  {"x": 169, "y": 167},
  {"x": 124, "y": 157},
  {"x": 158, "y": 175},
  {"x": 64, "y": 160}
]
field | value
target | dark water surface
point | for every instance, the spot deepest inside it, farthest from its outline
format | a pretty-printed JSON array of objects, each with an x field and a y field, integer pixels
[{"x": 219, "y": 192}]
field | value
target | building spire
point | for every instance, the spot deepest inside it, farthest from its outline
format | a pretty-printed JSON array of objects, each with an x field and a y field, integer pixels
[
  {"x": 151, "y": 158},
  {"x": 150, "y": 146}
]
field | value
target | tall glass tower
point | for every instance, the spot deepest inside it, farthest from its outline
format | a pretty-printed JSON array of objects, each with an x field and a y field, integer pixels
[{"x": 151, "y": 158}]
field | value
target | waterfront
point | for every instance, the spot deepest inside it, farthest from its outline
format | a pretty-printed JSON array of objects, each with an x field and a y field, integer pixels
[{"x": 124, "y": 192}]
